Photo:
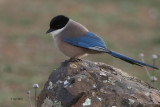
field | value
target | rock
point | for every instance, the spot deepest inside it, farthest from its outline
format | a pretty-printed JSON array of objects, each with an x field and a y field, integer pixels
[{"x": 81, "y": 83}]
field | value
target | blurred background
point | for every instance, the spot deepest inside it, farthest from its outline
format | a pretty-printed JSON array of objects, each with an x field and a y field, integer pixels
[{"x": 28, "y": 55}]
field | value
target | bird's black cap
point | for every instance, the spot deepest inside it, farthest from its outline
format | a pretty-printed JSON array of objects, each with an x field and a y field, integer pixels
[{"x": 58, "y": 22}]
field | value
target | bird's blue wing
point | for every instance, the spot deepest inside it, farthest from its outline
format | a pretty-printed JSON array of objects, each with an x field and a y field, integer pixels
[
  {"x": 94, "y": 42},
  {"x": 88, "y": 40}
]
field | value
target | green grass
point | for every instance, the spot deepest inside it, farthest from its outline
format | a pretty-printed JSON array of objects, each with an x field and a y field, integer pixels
[{"x": 28, "y": 55}]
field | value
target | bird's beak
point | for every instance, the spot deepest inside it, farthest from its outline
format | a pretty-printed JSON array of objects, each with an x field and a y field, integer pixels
[{"x": 50, "y": 30}]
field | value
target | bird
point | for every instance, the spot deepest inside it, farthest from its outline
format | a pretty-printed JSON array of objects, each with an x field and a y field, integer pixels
[{"x": 76, "y": 41}]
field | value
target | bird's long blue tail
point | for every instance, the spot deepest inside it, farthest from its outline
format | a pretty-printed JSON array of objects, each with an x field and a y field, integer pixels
[{"x": 129, "y": 60}]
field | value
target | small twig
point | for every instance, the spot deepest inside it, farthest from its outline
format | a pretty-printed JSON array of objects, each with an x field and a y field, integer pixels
[
  {"x": 154, "y": 57},
  {"x": 35, "y": 98},
  {"x": 141, "y": 55},
  {"x": 35, "y": 87},
  {"x": 29, "y": 97}
]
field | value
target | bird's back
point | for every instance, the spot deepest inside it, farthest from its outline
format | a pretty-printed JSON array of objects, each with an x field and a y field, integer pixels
[{"x": 74, "y": 29}]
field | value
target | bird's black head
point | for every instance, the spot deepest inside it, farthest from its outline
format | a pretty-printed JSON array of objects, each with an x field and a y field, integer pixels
[{"x": 58, "y": 22}]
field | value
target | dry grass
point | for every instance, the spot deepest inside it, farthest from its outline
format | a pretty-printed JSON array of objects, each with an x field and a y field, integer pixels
[{"x": 28, "y": 55}]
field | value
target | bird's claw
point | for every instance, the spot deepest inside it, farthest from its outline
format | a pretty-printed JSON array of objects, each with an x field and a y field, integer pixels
[{"x": 73, "y": 59}]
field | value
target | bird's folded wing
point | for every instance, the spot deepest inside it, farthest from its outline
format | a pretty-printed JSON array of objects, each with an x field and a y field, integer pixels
[{"x": 88, "y": 40}]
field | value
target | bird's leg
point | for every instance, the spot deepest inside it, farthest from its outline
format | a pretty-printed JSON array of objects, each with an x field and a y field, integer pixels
[{"x": 74, "y": 59}]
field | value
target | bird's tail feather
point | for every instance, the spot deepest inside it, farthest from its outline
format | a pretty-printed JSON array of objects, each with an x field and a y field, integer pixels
[{"x": 128, "y": 59}]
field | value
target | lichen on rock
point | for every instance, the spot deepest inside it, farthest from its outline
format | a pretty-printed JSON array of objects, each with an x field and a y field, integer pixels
[{"x": 92, "y": 84}]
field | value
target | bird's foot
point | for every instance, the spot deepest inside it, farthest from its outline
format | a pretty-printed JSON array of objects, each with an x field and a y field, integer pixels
[{"x": 73, "y": 59}]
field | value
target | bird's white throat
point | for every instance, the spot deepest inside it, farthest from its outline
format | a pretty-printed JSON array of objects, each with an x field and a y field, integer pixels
[{"x": 56, "y": 32}]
